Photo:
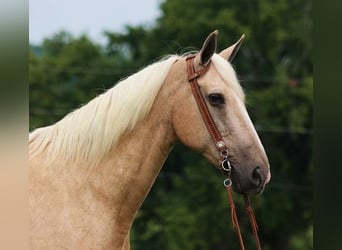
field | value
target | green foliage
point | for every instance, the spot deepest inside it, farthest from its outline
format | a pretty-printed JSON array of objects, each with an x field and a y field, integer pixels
[
  {"x": 69, "y": 72},
  {"x": 187, "y": 207}
]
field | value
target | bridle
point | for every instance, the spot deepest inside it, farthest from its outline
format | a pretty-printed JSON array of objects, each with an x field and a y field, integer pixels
[{"x": 224, "y": 163}]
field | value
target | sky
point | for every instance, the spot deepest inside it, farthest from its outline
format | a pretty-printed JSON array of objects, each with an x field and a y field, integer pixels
[{"x": 46, "y": 17}]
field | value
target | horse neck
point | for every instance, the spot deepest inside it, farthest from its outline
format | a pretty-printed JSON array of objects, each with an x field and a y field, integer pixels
[{"x": 130, "y": 169}]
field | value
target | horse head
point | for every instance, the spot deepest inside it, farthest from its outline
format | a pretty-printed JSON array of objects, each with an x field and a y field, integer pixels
[{"x": 225, "y": 100}]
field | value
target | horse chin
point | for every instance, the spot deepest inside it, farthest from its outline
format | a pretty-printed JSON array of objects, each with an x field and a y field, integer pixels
[{"x": 248, "y": 191}]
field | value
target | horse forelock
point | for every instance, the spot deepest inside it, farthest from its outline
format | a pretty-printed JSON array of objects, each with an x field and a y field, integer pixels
[{"x": 88, "y": 133}]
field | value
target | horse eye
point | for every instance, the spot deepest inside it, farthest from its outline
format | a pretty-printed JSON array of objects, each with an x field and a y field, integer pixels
[{"x": 216, "y": 99}]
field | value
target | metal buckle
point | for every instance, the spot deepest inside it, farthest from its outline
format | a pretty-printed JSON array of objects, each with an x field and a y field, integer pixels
[{"x": 226, "y": 166}]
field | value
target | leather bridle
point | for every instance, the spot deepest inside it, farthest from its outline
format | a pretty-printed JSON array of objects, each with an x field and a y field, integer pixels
[{"x": 224, "y": 163}]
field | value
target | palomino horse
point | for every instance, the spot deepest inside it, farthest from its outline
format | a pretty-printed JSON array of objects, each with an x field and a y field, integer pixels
[{"x": 91, "y": 171}]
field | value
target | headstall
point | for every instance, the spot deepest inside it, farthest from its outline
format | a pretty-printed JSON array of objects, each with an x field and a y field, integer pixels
[{"x": 221, "y": 146}]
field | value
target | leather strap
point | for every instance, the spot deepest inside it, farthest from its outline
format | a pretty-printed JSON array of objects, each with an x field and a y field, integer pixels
[
  {"x": 206, "y": 116},
  {"x": 233, "y": 215},
  {"x": 253, "y": 222}
]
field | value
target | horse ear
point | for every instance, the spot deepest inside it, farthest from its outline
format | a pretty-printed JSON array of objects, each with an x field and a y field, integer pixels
[
  {"x": 230, "y": 52},
  {"x": 208, "y": 49}
]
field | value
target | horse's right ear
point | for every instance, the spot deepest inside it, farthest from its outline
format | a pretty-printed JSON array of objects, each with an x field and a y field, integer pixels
[{"x": 208, "y": 49}]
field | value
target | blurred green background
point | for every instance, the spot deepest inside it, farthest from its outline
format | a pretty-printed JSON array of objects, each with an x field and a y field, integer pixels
[{"x": 187, "y": 207}]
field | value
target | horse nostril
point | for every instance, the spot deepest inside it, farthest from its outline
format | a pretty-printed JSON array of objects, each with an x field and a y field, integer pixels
[{"x": 257, "y": 177}]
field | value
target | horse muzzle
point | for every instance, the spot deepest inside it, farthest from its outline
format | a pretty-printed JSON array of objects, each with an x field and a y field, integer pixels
[{"x": 251, "y": 182}]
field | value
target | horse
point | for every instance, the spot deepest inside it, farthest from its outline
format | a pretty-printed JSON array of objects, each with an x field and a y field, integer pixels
[{"x": 90, "y": 172}]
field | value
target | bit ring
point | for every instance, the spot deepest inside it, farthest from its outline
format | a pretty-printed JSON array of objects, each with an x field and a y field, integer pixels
[
  {"x": 226, "y": 166},
  {"x": 227, "y": 182}
]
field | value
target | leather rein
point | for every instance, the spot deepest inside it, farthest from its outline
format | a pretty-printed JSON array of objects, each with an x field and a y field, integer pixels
[{"x": 224, "y": 163}]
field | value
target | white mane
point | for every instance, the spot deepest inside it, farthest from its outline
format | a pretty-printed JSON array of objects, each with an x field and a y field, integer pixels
[{"x": 93, "y": 129}]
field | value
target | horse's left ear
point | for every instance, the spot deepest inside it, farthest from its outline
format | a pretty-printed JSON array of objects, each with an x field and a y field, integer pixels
[
  {"x": 208, "y": 48},
  {"x": 230, "y": 52}
]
